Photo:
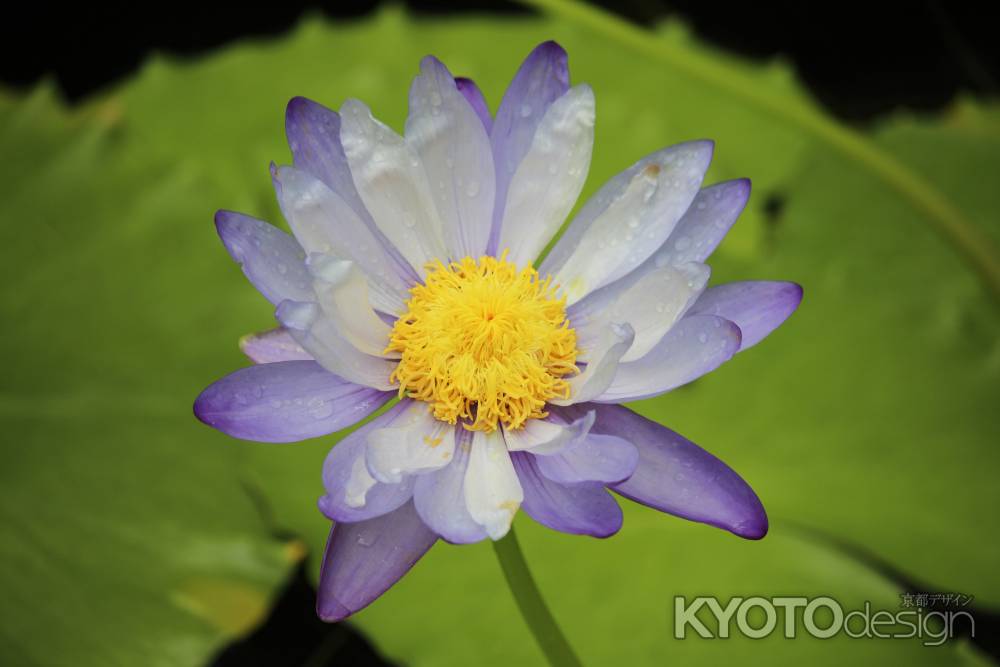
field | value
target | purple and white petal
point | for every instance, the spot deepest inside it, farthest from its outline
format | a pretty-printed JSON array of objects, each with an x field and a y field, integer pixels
[
  {"x": 593, "y": 458},
  {"x": 364, "y": 559},
  {"x": 492, "y": 492},
  {"x": 694, "y": 346},
  {"x": 324, "y": 223},
  {"x": 416, "y": 443},
  {"x": 549, "y": 178},
  {"x": 549, "y": 435},
  {"x": 445, "y": 131},
  {"x": 272, "y": 260},
  {"x": 674, "y": 475},
  {"x": 757, "y": 307},
  {"x": 476, "y": 100},
  {"x": 580, "y": 509},
  {"x": 602, "y": 365},
  {"x": 342, "y": 293},
  {"x": 267, "y": 347},
  {"x": 542, "y": 79},
  {"x": 706, "y": 222},
  {"x": 285, "y": 401},
  {"x": 651, "y": 304},
  {"x": 314, "y": 138},
  {"x": 352, "y": 494},
  {"x": 628, "y": 219},
  {"x": 318, "y": 335},
  {"x": 439, "y": 497},
  {"x": 393, "y": 185}
]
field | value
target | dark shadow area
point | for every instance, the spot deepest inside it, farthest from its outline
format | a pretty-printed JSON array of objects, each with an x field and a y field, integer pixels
[
  {"x": 293, "y": 636},
  {"x": 860, "y": 60}
]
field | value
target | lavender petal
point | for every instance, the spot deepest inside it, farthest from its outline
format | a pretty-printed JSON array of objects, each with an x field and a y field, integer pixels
[
  {"x": 285, "y": 401},
  {"x": 364, "y": 559},
  {"x": 676, "y": 476},
  {"x": 580, "y": 509},
  {"x": 757, "y": 307}
]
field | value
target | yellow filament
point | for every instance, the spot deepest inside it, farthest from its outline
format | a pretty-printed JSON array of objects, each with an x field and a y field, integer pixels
[{"x": 484, "y": 342}]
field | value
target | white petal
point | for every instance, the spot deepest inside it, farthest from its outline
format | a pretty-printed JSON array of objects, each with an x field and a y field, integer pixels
[
  {"x": 628, "y": 219},
  {"x": 602, "y": 364},
  {"x": 696, "y": 345},
  {"x": 439, "y": 497},
  {"x": 492, "y": 492},
  {"x": 652, "y": 304},
  {"x": 550, "y": 177},
  {"x": 416, "y": 443},
  {"x": 542, "y": 436},
  {"x": 342, "y": 293},
  {"x": 454, "y": 148},
  {"x": 358, "y": 484},
  {"x": 324, "y": 223},
  {"x": 318, "y": 335},
  {"x": 390, "y": 178}
]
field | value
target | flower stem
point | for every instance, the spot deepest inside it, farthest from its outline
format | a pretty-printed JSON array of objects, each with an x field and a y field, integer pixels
[{"x": 533, "y": 608}]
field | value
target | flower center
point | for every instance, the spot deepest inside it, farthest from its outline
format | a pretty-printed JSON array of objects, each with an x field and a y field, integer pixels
[{"x": 484, "y": 342}]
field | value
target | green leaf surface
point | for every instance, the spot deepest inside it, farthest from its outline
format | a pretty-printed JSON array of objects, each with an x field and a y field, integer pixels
[{"x": 870, "y": 416}]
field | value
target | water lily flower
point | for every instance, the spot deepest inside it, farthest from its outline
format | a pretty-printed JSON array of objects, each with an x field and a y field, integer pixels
[{"x": 412, "y": 276}]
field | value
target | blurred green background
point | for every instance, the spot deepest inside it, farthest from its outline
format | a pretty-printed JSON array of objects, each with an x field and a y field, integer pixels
[{"x": 868, "y": 424}]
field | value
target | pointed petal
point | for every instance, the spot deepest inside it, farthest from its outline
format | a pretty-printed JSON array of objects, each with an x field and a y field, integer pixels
[
  {"x": 364, "y": 559},
  {"x": 476, "y": 100},
  {"x": 757, "y": 307},
  {"x": 628, "y": 219},
  {"x": 696, "y": 345},
  {"x": 444, "y": 130},
  {"x": 285, "y": 401},
  {"x": 676, "y": 476},
  {"x": 492, "y": 492},
  {"x": 548, "y": 180},
  {"x": 267, "y": 347},
  {"x": 392, "y": 183},
  {"x": 705, "y": 223},
  {"x": 352, "y": 494},
  {"x": 324, "y": 223},
  {"x": 318, "y": 335},
  {"x": 580, "y": 509},
  {"x": 602, "y": 365},
  {"x": 652, "y": 305},
  {"x": 542, "y": 79},
  {"x": 439, "y": 497},
  {"x": 416, "y": 443},
  {"x": 272, "y": 260}
]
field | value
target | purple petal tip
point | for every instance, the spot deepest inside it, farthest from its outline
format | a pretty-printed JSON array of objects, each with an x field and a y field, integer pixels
[{"x": 330, "y": 610}]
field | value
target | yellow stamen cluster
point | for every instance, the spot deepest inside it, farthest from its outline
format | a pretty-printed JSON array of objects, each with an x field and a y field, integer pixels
[{"x": 484, "y": 342}]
